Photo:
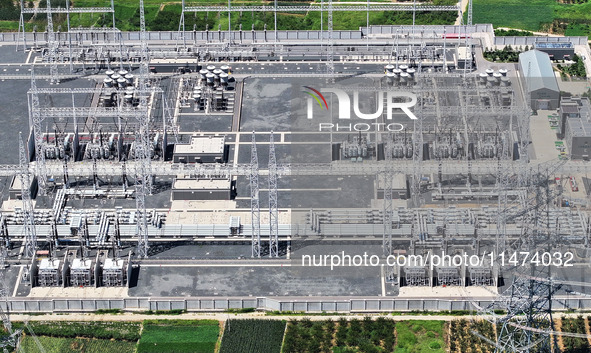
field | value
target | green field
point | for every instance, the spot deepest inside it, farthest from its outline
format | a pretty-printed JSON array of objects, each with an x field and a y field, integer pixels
[
  {"x": 367, "y": 335},
  {"x": 252, "y": 336},
  {"x": 535, "y": 15},
  {"x": 176, "y": 336},
  {"x": 420, "y": 337},
  {"x": 75, "y": 345},
  {"x": 165, "y": 16},
  {"x": 128, "y": 331}
]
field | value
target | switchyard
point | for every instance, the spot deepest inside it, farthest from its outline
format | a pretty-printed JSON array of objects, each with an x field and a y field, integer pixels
[{"x": 204, "y": 166}]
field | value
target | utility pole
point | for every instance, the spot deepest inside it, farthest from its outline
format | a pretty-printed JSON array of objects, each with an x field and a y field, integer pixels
[
  {"x": 28, "y": 215},
  {"x": 142, "y": 145},
  {"x": 387, "y": 187},
  {"x": 53, "y": 46},
  {"x": 330, "y": 45},
  {"x": 273, "y": 208},
  {"x": 36, "y": 120},
  {"x": 255, "y": 210}
]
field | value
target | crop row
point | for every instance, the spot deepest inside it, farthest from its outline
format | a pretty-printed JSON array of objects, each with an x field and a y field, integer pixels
[
  {"x": 252, "y": 336},
  {"x": 126, "y": 331},
  {"x": 464, "y": 336},
  {"x": 574, "y": 344}
]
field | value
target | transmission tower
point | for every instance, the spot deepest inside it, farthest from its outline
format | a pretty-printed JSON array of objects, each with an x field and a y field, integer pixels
[
  {"x": 52, "y": 44},
  {"x": 470, "y": 13},
  {"x": 502, "y": 190},
  {"x": 527, "y": 325},
  {"x": 273, "y": 208},
  {"x": 387, "y": 187},
  {"x": 36, "y": 120},
  {"x": 330, "y": 44},
  {"x": 12, "y": 340},
  {"x": 523, "y": 125},
  {"x": 142, "y": 145},
  {"x": 4, "y": 242},
  {"x": 417, "y": 157},
  {"x": 275, "y": 18},
  {"x": 181, "y": 36},
  {"x": 255, "y": 210},
  {"x": 28, "y": 217}
]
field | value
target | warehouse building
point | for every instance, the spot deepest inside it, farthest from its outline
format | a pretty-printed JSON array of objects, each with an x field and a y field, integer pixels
[
  {"x": 539, "y": 79},
  {"x": 556, "y": 51},
  {"x": 569, "y": 108},
  {"x": 578, "y": 131}
]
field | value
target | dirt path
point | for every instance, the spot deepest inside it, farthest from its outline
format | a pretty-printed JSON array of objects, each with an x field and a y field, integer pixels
[
  {"x": 212, "y": 316},
  {"x": 225, "y": 316},
  {"x": 464, "y": 7}
]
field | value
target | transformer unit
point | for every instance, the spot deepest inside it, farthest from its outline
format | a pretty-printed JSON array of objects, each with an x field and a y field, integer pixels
[
  {"x": 81, "y": 273},
  {"x": 50, "y": 273}
]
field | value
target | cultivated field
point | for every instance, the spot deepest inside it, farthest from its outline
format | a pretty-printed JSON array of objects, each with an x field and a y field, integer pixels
[
  {"x": 568, "y": 17},
  {"x": 165, "y": 16}
]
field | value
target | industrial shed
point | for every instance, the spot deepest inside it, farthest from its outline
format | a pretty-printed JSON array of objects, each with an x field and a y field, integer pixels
[
  {"x": 202, "y": 149},
  {"x": 556, "y": 51},
  {"x": 202, "y": 189},
  {"x": 536, "y": 69},
  {"x": 578, "y": 130}
]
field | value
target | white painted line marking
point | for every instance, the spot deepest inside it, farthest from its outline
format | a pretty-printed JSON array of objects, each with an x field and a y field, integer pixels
[
  {"x": 383, "y": 280},
  {"x": 18, "y": 281},
  {"x": 29, "y": 56}
]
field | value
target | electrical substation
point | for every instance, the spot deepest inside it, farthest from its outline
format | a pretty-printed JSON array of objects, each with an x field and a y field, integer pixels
[{"x": 143, "y": 167}]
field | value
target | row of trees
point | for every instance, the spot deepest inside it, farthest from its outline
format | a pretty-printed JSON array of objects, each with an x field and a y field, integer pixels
[
  {"x": 576, "y": 69},
  {"x": 505, "y": 55},
  {"x": 365, "y": 336}
]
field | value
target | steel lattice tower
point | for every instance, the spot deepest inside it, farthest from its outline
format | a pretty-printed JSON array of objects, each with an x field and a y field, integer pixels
[
  {"x": 417, "y": 157},
  {"x": 523, "y": 125},
  {"x": 273, "y": 208},
  {"x": 28, "y": 216},
  {"x": 142, "y": 145},
  {"x": 4, "y": 242},
  {"x": 387, "y": 187},
  {"x": 255, "y": 210},
  {"x": 330, "y": 44},
  {"x": 527, "y": 325},
  {"x": 53, "y": 46},
  {"x": 36, "y": 119}
]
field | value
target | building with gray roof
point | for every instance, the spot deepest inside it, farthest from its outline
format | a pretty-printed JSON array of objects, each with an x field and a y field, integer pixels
[
  {"x": 539, "y": 79},
  {"x": 578, "y": 130}
]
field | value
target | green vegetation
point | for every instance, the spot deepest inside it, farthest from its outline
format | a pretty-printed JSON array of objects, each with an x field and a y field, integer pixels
[
  {"x": 241, "y": 311},
  {"x": 164, "y": 312},
  {"x": 252, "y": 336},
  {"x": 512, "y": 32},
  {"x": 577, "y": 69},
  {"x": 108, "y": 311},
  {"x": 127, "y": 331},
  {"x": 574, "y": 344},
  {"x": 355, "y": 335},
  {"x": 568, "y": 17},
  {"x": 505, "y": 55},
  {"x": 463, "y": 340},
  {"x": 74, "y": 345},
  {"x": 529, "y": 15},
  {"x": 420, "y": 336},
  {"x": 164, "y": 336},
  {"x": 165, "y": 16}
]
